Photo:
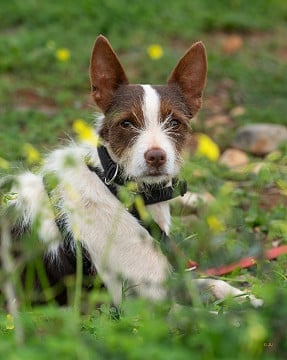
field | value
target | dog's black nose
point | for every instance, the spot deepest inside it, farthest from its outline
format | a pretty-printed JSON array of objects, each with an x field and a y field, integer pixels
[{"x": 155, "y": 157}]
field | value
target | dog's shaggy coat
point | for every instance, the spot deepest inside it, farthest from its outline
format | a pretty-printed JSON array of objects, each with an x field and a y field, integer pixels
[{"x": 143, "y": 130}]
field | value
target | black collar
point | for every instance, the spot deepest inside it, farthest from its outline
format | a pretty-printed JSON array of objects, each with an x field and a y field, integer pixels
[{"x": 112, "y": 175}]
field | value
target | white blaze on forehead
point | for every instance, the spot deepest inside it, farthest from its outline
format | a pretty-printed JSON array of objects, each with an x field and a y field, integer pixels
[
  {"x": 150, "y": 106},
  {"x": 151, "y": 135}
]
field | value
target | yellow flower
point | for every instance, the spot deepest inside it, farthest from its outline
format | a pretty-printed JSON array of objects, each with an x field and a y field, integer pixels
[
  {"x": 215, "y": 224},
  {"x": 63, "y": 55},
  {"x": 155, "y": 51},
  {"x": 85, "y": 132},
  {"x": 9, "y": 322},
  {"x": 32, "y": 154},
  {"x": 207, "y": 147},
  {"x": 4, "y": 164}
]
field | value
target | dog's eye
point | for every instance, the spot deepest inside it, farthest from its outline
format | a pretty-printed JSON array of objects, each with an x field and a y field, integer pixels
[
  {"x": 174, "y": 123},
  {"x": 126, "y": 124}
]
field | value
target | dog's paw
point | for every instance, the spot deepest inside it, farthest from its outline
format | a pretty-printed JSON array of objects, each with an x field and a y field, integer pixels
[
  {"x": 255, "y": 302},
  {"x": 221, "y": 290}
]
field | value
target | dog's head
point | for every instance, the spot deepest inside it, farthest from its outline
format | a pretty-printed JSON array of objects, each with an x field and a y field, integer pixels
[{"x": 144, "y": 127}]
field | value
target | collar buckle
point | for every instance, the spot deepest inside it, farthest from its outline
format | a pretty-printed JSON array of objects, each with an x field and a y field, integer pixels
[{"x": 111, "y": 174}]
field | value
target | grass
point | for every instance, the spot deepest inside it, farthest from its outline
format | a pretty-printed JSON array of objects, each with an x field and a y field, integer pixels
[{"x": 41, "y": 96}]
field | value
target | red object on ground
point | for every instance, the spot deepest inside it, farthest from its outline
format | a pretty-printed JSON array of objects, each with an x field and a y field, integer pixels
[{"x": 243, "y": 263}]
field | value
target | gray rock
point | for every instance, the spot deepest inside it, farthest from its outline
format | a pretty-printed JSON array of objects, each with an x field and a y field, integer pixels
[{"x": 260, "y": 139}]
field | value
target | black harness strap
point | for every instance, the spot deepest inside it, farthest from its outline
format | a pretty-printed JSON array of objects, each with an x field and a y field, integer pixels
[
  {"x": 156, "y": 193},
  {"x": 151, "y": 194},
  {"x": 113, "y": 175}
]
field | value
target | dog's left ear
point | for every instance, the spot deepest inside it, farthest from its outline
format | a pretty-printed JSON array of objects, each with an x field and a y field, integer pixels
[
  {"x": 106, "y": 73},
  {"x": 190, "y": 75}
]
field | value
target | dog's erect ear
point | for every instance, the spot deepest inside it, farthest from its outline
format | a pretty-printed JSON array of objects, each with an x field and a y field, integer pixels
[
  {"x": 106, "y": 73},
  {"x": 190, "y": 75}
]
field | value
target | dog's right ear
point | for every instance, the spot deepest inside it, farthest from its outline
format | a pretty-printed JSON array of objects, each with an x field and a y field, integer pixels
[{"x": 106, "y": 73}]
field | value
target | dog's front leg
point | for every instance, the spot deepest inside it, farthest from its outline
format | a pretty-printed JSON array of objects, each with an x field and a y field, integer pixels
[
  {"x": 221, "y": 290},
  {"x": 122, "y": 251}
]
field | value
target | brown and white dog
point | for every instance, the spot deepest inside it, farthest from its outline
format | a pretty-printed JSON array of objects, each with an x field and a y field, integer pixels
[{"x": 143, "y": 130}]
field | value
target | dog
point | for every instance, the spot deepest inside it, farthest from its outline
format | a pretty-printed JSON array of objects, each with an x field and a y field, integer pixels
[{"x": 75, "y": 197}]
